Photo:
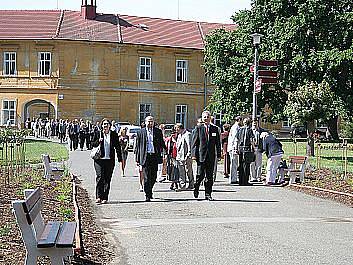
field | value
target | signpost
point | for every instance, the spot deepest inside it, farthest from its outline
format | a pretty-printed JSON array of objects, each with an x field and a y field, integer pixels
[
  {"x": 258, "y": 85},
  {"x": 268, "y": 63},
  {"x": 266, "y": 74}
]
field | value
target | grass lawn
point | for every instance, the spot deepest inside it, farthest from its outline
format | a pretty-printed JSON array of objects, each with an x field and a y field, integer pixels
[
  {"x": 331, "y": 155},
  {"x": 34, "y": 150}
]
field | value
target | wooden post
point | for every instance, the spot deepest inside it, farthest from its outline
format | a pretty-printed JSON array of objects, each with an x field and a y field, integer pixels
[
  {"x": 317, "y": 155},
  {"x": 295, "y": 147},
  {"x": 343, "y": 140},
  {"x": 345, "y": 145}
]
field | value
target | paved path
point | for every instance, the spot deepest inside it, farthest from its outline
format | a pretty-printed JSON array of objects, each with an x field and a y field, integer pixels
[{"x": 244, "y": 225}]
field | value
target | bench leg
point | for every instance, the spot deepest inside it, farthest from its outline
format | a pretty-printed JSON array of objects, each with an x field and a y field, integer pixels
[
  {"x": 30, "y": 259},
  {"x": 57, "y": 260}
]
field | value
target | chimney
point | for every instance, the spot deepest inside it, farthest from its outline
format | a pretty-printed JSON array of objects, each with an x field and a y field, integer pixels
[{"x": 89, "y": 10}]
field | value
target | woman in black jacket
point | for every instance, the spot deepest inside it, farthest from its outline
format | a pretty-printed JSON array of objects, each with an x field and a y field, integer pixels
[{"x": 108, "y": 141}]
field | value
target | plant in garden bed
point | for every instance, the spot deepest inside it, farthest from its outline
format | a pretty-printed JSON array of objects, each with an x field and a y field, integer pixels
[
  {"x": 66, "y": 213},
  {"x": 5, "y": 230}
]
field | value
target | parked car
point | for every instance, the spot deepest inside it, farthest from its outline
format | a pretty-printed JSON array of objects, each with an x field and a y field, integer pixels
[
  {"x": 123, "y": 123},
  {"x": 132, "y": 131}
]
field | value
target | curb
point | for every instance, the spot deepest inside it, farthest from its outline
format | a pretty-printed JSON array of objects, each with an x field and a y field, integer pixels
[
  {"x": 78, "y": 243},
  {"x": 325, "y": 190}
]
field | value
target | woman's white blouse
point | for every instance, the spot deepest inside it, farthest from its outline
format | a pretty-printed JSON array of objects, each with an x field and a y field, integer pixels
[{"x": 106, "y": 145}]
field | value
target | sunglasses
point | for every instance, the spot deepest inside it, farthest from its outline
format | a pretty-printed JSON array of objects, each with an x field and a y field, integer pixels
[{"x": 105, "y": 123}]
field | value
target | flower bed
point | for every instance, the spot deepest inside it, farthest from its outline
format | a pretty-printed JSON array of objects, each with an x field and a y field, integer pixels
[
  {"x": 57, "y": 205},
  {"x": 329, "y": 180}
]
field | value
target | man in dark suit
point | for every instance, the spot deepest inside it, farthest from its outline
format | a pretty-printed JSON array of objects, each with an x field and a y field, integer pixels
[
  {"x": 245, "y": 147},
  {"x": 206, "y": 147},
  {"x": 149, "y": 145}
]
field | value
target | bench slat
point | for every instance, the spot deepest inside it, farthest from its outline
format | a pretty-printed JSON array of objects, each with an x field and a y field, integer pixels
[
  {"x": 297, "y": 160},
  {"x": 32, "y": 215},
  {"x": 66, "y": 235},
  {"x": 48, "y": 237},
  {"x": 31, "y": 201}
]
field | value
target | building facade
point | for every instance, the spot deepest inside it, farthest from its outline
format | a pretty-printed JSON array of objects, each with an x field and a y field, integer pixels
[{"x": 70, "y": 64}]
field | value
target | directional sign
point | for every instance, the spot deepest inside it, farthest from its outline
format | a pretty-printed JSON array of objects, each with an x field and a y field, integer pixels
[
  {"x": 268, "y": 63},
  {"x": 266, "y": 80},
  {"x": 267, "y": 73}
]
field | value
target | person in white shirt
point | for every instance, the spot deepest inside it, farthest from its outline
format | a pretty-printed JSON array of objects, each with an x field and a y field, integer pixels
[
  {"x": 104, "y": 166},
  {"x": 232, "y": 149},
  {"x": 183, "y": 157}
]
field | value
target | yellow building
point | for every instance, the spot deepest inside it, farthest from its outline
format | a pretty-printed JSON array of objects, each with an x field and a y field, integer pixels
[{"x": 69, "y": 64}]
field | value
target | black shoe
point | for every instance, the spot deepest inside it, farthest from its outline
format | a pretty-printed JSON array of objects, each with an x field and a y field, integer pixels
[
  {"x": 196, "y": 193},
  {"x": 209, "y": 198},
  {"x": 147, "y": 199}
]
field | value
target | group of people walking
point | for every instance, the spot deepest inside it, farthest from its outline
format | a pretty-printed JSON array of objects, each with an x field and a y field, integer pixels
[{"x": 241, "y": 145}]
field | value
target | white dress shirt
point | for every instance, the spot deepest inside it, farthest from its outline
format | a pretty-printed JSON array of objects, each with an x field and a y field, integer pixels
[
  {"x": 106, "y": 140},
  {"x": 150, "y": 147}
]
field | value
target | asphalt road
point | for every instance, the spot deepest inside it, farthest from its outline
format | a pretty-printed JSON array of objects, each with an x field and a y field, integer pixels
[{"x": 244, "y": 225}]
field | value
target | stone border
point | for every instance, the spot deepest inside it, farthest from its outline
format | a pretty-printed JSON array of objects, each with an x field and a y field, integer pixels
[
  {"x": 321, "y": 189},
  {"x": 78, "y": 243}
]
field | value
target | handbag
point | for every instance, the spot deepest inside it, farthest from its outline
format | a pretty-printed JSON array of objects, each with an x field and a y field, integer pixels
[{"x": 96, "y": 152}]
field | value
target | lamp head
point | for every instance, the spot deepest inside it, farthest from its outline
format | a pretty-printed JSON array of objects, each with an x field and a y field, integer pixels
[{"x": 256, "y": 38}]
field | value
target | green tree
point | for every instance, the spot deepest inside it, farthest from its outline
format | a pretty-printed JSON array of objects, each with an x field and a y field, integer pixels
[
  {"x": 312, "y": 102},
  {"x": 311, "y": 39}
]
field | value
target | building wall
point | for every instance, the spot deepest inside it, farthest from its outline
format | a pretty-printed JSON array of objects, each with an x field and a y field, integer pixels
[{"x": 92, "y": 80}]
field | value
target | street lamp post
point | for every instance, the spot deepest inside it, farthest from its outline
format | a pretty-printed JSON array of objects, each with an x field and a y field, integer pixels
[{"x": 256, "y": 41}]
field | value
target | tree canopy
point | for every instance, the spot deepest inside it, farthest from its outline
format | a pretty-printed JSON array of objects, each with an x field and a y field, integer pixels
[
  {"x": 311, "y": 39},
  {"x": 312, "y": 102}
]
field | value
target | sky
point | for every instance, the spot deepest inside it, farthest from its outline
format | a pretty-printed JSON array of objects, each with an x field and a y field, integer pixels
[{"x": 195, "y": 10}]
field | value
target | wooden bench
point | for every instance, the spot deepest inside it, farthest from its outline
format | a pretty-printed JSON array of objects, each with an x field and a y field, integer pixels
[
  {"x": 296, "y": 167},
  {"x": 52, "y": 170},
  {"x": 54, "y": 239}
]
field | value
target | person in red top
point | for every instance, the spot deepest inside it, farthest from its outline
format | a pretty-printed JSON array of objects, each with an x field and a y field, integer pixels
[{"x": 173, "y": 166}]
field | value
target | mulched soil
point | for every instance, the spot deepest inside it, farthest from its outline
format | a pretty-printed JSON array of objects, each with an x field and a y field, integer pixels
[
  {"x": 95, "y": 248},
  {"x": 327, "y": 179}
]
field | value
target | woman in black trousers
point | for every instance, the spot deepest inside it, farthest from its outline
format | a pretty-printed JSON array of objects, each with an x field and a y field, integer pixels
[{"x": 104, "y": 166}]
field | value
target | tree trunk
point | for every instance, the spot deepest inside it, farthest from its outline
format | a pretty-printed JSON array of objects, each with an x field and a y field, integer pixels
[
  {"x": 310, "y": 143},
  {"x": 332, "y": 128}
]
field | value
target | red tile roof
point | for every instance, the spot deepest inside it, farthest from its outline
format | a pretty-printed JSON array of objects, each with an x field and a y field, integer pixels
[
  {"x": 55, "y": 24},
  {"x": 28, "y": 24}
]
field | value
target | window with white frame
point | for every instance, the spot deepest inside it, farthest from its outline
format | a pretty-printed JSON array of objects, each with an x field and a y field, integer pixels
[
  {"x": 8, "y": 112},
  {"x": 218, "y": 119},
  {"x": 10, "y": 63},
  {"x": 44, "y": 63},
  {"x": 181, "y": 112},
  {"x": 145, "y": 68},
  {"x": 145, "y": 110},
  {"x": 182, "y": 71}
]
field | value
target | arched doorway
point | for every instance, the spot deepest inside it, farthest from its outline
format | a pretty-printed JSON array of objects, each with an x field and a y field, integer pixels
[{"x": 39, "y": 108}]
